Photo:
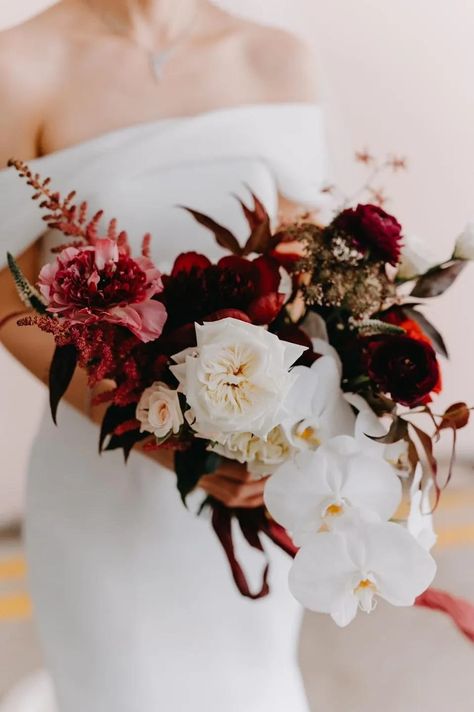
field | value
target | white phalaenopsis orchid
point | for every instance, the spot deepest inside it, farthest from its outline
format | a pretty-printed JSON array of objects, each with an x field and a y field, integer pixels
[
  {"x": 317, "y": 408},
  {"x": 340, "y": 571},
  {"x": 320, "y": 488},
  {"x": 417, "y": 258},
  {"x": 236, "y": 379},
  {"x": 464, "y": 249},
  {"x": 420, "y": 518},
  {"x": 367, "y": 427}
]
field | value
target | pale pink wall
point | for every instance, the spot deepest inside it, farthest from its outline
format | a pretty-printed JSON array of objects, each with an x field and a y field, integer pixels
[{"x": 397, "y": 75}]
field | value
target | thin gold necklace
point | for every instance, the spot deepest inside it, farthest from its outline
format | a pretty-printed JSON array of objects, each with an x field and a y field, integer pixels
[{"x": 157, "y": 60}]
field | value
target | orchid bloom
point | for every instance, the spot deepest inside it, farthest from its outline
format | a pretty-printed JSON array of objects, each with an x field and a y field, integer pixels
[
  {"x": 319, "y": 488},
  {"x": 340, "y": 571},
  {"x": 368, "y": 426},
  {"x": 420, "y": 518},
  {"x": 317, "y": 406}
]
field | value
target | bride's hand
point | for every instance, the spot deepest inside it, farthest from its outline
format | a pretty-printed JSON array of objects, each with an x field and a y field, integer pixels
[
  {"x": 234, "y": 486},
  {"x": 231, "y": 484}
]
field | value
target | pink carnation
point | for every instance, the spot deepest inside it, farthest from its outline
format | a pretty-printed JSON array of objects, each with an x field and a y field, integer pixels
[{"x": 99, "y": 283}]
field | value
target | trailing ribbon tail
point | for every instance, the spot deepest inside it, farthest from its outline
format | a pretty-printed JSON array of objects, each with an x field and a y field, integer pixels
[
  {"x": 458, "y": 609},
  {"x": 222, "y": 518}
]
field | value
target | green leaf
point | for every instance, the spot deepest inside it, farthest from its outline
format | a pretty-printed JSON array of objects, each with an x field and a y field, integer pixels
[
  {"x": 372, "y": 327},
  {"x": 438, "y": 280},
  {"x": 192, "y": 464},
  {"x": 28, "y": 294},
  {"x": 61, "y": 372}
]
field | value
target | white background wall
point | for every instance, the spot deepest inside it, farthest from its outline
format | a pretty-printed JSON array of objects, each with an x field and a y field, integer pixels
[{"x": 398, "y": 76}]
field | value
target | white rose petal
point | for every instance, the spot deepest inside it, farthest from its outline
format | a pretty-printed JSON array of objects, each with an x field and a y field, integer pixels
[
  {"x": 340, "y": 571},
  {"x": 464, "y": 249},
  {"x": 320, "y": 488},
  {"x": 159, "y": 411},
  {"x": 237, "y": 377},
  {"x": 261, "y": 455},
  {"x": 416, "y": 258}
]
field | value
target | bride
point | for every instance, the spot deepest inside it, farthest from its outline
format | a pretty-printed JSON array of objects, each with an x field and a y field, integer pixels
[{"x": 142, "y": 105}]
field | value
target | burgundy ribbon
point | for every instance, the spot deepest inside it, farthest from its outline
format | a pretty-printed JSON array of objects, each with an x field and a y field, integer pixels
[
  {"x": 254, "y": 522},
  {"x": 459, "y": 610}
]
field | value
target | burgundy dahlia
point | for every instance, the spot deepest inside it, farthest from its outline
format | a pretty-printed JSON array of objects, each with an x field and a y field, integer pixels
[
  {"x": 99, "y": 283},
  {"x": 405, "y": 368},
  {"x": 372, "y": 230}
]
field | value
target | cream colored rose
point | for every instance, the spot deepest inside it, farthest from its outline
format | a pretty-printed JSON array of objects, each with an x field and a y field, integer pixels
[
  {"x": 159, "y": 411},
  {"x": 464, "y": 249},
  {"x": 261, "y": 455},
  {"x": 236, "y": 379}
]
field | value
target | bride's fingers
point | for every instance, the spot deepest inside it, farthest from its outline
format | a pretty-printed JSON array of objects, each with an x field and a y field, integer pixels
[
  {"x": 234, "y": 471},
  {"x": 231, "y": 493},
  {"x": 241, "y": 489}
]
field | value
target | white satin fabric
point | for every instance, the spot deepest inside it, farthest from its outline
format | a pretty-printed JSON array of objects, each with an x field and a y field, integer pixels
[{"x": 135, "y": 604}]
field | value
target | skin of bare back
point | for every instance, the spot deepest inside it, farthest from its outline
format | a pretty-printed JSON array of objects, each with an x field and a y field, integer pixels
[{"x": 66, "y": 77}]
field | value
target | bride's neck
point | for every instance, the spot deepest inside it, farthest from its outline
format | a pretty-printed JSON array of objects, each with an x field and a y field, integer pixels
[{"x": 166, "y": 17}]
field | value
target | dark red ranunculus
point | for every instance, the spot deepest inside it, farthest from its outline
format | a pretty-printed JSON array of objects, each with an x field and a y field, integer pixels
[
  {"x": 197, "y": 288},
  {"x": 373, "y": 230},
  {"x": 405, "y": 368}
]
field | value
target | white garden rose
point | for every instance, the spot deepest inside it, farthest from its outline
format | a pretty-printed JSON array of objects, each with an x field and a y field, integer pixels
[
  {"x": 159, "y": 411},
  {"x": 261, "y": 455},
  {"x": 417, "y": 258},
  {"x": 236, "y": 379},
  {"x": 464, "y": 249}
]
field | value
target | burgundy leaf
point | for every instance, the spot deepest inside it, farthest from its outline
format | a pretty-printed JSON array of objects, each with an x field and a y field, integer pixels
[
  {"x": 61, "y": 372},
  {"x": 430, "y": 330},
  {"x": 398, "y": 431},
  {"x": 260, "y": 240},
  {"x": 224, "y": 237},
  {"x": 456, "y": 416},
  {"x": 437, "y": 280}
]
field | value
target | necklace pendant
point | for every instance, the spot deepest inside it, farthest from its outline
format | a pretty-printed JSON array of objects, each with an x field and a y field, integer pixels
[{"x": 158, "y": 63}]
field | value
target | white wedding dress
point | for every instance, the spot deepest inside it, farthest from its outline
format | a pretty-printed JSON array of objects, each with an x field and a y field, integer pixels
[{"x": 134, "y": 600}]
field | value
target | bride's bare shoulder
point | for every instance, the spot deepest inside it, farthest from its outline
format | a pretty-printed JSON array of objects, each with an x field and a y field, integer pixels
[
  {"x": 283, "y": 63},
  {"x": 29, "y": 55},
  {"x": 29, "y": 61}
]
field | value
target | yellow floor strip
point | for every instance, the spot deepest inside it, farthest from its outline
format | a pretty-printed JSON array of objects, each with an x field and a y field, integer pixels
[
  {"x": 455, "y": 536},
  {"x": 15, "y": 606},
  {"x": 14, "y": 568}
]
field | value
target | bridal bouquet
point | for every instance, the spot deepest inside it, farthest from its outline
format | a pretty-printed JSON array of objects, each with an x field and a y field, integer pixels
[{"x": 302, "y": 354}]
